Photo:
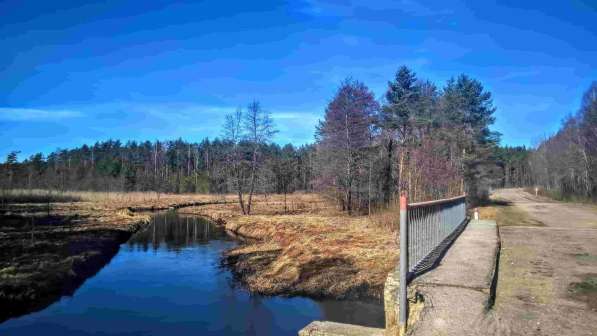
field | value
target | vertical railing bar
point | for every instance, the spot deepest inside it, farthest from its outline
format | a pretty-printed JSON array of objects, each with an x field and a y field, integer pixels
[
  {"x": 426, "y": 241},
  {"x": 422, "y": 237},
  {"x": 419, "y": 234},
  {"x": 413, "y": 225},
  {"x": 410, "y": 237},
  {"x": 437, "y": 224},
  {"x": 416, "y": 236}
]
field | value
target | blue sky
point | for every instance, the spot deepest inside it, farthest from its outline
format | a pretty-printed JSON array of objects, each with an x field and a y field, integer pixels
[{"x": 75, "y": 72}]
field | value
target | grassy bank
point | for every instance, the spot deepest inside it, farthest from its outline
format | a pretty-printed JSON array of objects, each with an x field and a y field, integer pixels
[
  {"x": 36, "y": 196},
  {"x": 310, "y": 249},
  {"x": 50, "y": 242}
]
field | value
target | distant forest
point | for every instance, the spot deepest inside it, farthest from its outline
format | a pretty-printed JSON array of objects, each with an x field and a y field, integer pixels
[
  {"x": 175, "y": 166},
  {"x": 426, "y": 141},
  {"x": 565, "y": 164}
]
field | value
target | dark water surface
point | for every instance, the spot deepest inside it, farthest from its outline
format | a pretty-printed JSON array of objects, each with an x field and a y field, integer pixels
[{"x": 167, "y": 280}]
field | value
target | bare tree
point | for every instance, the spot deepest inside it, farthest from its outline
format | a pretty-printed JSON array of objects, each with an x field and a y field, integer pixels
[
  {"x": 233, "y": 134},
  {"x": 344, "y": 137},
  {"x": 259, "y": 130}
]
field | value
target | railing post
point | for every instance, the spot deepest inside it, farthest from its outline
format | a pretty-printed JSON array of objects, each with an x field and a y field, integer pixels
[{"x": 403, "y": 262}]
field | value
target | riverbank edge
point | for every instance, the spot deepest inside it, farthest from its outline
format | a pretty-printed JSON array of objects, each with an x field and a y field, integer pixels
[
  {"x": 19, "y": 301},
  {"x": 66, "y": 276},
  {"x": 243, "y": 264},
  {"x": 95, "y": 246}
]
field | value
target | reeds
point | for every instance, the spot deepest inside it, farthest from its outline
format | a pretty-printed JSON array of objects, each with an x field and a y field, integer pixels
[{"x": 21, "y": 196}]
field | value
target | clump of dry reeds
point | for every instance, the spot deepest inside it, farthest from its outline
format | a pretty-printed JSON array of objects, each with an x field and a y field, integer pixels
[{"x": 21, "y": 196}]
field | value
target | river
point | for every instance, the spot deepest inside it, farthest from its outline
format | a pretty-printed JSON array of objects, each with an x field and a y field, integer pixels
[{"x": 168, "y": 280}]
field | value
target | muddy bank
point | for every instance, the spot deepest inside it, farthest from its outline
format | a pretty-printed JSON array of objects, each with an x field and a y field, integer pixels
[
  {"x": 173, "y": 206},
  {"x": 48, "y": 249},
  {"x": 309, "y": 251},
  {"x": 44, "y": 257},
  {"x": 35, "y": 274}
]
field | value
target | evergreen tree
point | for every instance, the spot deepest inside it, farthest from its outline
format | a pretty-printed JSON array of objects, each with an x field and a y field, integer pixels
[{"x": 468, "y": 112}]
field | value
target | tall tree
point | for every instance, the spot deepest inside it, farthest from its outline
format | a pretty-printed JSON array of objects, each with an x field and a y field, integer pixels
[
  {"x": 398, "y": 118},
  {"x": 285, "y": 171},
  {"x": 233, "y": 135},
  {"x": 259, "y": 130},
  {"x": 11, "y": 165},
  {"x": 344, "y": 137},
  {"x": 468, "y": 112}
]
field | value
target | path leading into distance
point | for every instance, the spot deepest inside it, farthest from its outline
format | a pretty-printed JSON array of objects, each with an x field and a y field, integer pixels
[{"x": 547, "y": 273}]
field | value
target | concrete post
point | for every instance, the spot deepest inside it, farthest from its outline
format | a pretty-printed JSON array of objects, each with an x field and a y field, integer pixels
[
  {"x": 403, "y": 310},
  {"x": 390, "y": 296}
]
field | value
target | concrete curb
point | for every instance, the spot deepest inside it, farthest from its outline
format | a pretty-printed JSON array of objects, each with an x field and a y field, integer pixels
[{"x": 326, "y": 328}]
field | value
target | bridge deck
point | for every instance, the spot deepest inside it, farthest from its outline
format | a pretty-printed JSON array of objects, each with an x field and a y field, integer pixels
[{"x": 456, "y": 294}]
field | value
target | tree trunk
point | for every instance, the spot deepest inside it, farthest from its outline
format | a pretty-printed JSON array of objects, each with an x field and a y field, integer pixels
[
  {"x": 586, "y": 168},
  {"x": 388, "y": 183},
  {"x": 369, "y": 188},
  {"x": 401, "y": 170},
  {"x": 239, "y": 189},
  {"x": 252, "y": 186},
  {"x": 285, "y": 207}
]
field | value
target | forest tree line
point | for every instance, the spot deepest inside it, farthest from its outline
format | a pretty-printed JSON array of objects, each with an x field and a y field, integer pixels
[
  {"x": 565, "y": 164},
  {"x": 426, "y": 141},
  {"x": 174, "y": 166}
]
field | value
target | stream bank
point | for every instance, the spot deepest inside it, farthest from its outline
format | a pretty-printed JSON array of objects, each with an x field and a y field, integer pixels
[
  {"x": 168, "y": 279},
  {"x": 46, "y": 257},
  {"x": 310, "y": 249},
  {"x": 300, "y": 248}
]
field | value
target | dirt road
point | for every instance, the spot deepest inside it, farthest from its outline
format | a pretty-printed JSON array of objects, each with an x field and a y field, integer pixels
[{"x": 547, "y": 278}]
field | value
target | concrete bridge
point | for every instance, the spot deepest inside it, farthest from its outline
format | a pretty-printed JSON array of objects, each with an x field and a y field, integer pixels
[
  {"x": 451, "y": 299},
  {"x": 546, "y": 284}
]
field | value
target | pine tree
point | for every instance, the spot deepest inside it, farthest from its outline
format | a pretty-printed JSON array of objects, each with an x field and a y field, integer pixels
[
  {"x": 398, "y": 119},
  {"x": 468, "y": 113}
]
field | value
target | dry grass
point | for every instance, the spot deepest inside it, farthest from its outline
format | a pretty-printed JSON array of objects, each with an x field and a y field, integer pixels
[
  {"x": 311, "y": 249},
  {"x": 506, "y": 214},
  {"x": 108, "y": 199},
  {"x": 35, "y": 196},
  {"x": 388, "y": 219},
  {"x": 48, "y": 249},
  {"x": 110, "y": 210}
]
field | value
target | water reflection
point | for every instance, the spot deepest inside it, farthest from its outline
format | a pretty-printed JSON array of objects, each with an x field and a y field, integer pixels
[
  {"x": 168, "y": 280},
  {"x": 174, "y": 232}
]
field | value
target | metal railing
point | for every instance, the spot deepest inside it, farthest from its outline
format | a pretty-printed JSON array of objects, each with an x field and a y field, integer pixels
[{"x": 426, "y": 229}]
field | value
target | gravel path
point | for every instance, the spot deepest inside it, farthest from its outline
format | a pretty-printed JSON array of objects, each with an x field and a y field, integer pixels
[{"x": 547, "y": 279}]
